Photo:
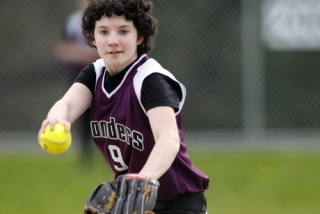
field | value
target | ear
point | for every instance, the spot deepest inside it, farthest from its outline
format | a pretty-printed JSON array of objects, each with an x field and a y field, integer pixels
[
  {"x": 93, "y": 40},
  {"x": 139, "y": 41}
]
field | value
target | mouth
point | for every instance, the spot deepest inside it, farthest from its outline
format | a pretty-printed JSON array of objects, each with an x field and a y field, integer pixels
[{"x": 114, "y": 52}]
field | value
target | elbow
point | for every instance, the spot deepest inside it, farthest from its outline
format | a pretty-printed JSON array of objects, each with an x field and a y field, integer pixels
[
  {"x": 169, "y": 142},
  {"x": 175, "y": 144}
]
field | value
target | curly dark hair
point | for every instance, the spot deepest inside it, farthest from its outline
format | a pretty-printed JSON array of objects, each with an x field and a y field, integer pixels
[{"x": 139, "y": 11}]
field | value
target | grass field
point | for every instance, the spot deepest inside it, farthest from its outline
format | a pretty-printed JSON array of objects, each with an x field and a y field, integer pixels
[{"x": 246, "y": 182}]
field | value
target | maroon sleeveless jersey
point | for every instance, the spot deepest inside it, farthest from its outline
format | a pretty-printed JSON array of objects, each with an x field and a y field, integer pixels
[{"x": 121, "y": 130}]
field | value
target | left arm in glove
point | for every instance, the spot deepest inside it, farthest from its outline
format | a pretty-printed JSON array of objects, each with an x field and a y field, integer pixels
[{"x": 130, "y": 193}]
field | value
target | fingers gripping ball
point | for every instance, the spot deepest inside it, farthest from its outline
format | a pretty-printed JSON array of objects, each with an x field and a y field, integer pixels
[{"x": 56, "y": 141}]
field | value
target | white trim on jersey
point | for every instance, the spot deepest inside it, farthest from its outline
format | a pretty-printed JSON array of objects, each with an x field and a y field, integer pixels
[
  {"x": 99, "y": 65},
  {"x": 149, "y": 67}
]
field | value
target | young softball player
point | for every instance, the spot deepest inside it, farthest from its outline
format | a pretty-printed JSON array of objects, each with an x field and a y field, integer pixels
[{"x": 135, "y": 105}]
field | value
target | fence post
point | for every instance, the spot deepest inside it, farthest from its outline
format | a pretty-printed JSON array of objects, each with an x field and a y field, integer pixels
[{"x": 253, "y": 72}]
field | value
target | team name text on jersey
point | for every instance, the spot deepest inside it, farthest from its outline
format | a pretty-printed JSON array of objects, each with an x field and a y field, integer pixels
[{"x": 116, "y": 131}]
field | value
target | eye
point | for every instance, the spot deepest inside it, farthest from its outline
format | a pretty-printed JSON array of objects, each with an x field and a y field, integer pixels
[
  {"x": 124, "y": 31},
  {"x": 103, "y": 32}
]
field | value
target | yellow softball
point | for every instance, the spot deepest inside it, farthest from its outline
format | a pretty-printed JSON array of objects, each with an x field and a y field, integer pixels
[{"x": 56, "y": 141}]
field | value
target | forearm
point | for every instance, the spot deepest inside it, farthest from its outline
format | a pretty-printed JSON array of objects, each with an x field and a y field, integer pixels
[
  {"x": 76, "y": 101},
  {"x": 161, "y": 157},
  {"x": 59, "y": 111}
]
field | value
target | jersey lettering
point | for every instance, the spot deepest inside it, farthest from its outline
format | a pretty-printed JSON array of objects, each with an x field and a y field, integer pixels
[
  {"x": 117, "y": 158},
  {"x": 137, "y": 141},
  {"x": 116, "y": 131}
]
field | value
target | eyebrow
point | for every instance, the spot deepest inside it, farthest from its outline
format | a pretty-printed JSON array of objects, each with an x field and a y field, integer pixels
[{"x": 122, "y": 26}]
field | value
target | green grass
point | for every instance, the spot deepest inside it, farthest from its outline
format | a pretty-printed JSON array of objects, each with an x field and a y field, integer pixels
[{"x": 241, "y": 182}]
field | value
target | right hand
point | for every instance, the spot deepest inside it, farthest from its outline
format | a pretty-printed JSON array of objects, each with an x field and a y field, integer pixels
[{"x": 52, "y": 122}]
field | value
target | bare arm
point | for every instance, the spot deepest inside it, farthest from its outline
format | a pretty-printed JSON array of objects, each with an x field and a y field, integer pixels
[
  {"x": 66, "y": 110},
  {"x": 164, "y": 127}
]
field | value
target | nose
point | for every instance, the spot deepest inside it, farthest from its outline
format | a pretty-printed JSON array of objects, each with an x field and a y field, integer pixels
[{"x": 113, "y": 39}]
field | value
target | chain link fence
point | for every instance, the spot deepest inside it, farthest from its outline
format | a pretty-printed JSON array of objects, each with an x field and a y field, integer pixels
[{"x": 205, "y": 44}]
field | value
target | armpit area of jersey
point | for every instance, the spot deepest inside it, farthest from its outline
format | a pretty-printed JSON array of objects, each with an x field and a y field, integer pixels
[{"x": 160, "y": 90}]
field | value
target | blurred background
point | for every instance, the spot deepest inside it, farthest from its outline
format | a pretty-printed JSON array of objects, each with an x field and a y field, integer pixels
[{"x": 251, "y": 69}]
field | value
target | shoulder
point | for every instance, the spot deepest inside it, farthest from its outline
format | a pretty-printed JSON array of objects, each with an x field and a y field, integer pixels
[
  {"x": 99, "y": 66},
  {"x": 90, "y": 74},
  {"x": 151, "y": 66}
]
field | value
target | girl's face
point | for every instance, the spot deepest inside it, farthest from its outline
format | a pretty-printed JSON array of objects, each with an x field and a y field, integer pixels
[{"x": 116, "y": 40}]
